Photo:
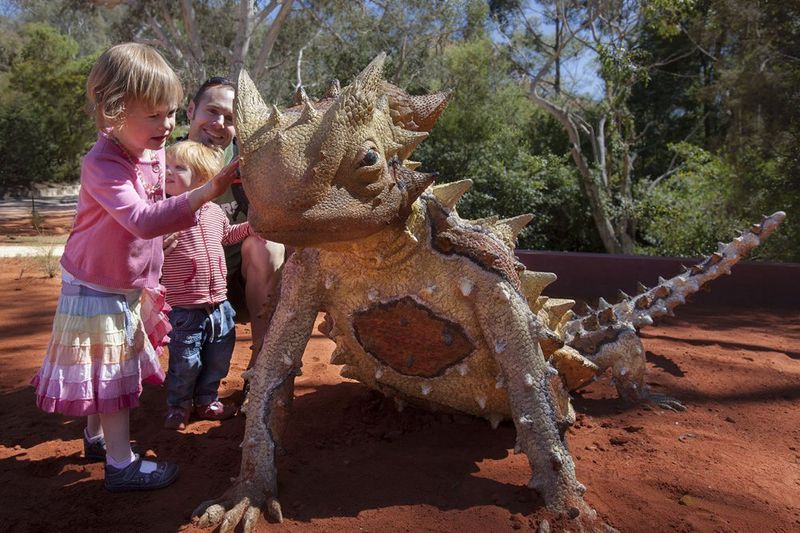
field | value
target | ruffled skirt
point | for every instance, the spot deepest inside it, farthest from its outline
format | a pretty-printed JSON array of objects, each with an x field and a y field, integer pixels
[{"x": 99, "y": 354}]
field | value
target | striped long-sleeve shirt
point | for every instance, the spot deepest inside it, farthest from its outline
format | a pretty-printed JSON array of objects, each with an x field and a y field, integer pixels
[{"x": 194, "y": 273}]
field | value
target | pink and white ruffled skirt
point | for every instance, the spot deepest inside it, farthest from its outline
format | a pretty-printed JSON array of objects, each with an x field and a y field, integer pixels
[{"x": 99, "y": 354}]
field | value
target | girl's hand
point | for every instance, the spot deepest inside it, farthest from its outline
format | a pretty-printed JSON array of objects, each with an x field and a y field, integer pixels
[
  {"x": 226, "y": 176},
  {"x": 215, "y": 187}
]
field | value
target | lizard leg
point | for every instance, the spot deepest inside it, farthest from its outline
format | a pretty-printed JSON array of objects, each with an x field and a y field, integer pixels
[
  {"x": 514, "y": 337},
  {"x": 625, "y": 355},
  {"x": 269, "y": 400}
]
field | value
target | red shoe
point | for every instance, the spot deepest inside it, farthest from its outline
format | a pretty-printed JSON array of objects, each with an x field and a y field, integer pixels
[
  {"x": 177, "y": 417},
  {"x": 214, "y": 411}
]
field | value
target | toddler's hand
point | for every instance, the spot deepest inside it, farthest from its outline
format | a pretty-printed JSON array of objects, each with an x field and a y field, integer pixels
[{"x": 170, "y": 242}]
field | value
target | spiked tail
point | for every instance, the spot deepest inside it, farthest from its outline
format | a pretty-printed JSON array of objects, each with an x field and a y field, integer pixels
[{"x": 650, "y": 304}]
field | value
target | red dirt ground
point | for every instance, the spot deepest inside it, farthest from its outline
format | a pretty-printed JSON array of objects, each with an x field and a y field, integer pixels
[{"x": 731, "y": 462}]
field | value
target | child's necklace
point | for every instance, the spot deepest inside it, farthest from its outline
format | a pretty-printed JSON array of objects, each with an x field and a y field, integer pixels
[{"x": 153, "y": 190}]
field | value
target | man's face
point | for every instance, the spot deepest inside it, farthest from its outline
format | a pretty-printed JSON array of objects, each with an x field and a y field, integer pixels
[{"x": 211, "y": 120}]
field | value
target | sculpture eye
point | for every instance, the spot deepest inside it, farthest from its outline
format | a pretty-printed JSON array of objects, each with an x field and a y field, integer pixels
[{"x": 370, "y": 158}]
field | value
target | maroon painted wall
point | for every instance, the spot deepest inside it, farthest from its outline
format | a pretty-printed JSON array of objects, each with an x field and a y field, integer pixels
[{"x": 589, "y": 276}]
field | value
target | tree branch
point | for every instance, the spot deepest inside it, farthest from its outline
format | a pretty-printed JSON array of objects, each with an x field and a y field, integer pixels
[{"x": 270, "y": 38}]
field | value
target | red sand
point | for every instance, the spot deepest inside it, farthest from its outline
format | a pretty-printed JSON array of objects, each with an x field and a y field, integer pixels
[{"x": 731, "y": 462}]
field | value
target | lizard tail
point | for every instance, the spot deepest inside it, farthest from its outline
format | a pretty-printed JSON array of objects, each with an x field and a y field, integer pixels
[{"x": 651, "y": 303}]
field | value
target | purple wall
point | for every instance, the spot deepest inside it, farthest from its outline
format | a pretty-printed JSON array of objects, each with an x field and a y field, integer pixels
[{"x": 589, "y": 276}]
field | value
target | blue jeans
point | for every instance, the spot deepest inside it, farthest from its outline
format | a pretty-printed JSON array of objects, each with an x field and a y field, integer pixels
[{"x": 200, "y": 349}]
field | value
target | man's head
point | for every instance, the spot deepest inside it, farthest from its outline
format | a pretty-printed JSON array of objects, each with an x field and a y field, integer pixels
[{"x": 211, "y": 113}]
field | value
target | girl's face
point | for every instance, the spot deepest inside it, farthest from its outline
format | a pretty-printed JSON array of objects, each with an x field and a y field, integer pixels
[
  {"x": 145, "y": 127},
  {"x": 179, "y": 176}
]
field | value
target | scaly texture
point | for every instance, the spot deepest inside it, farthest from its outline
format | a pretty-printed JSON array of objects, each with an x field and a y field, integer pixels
[{"x": 423, "y": 305}]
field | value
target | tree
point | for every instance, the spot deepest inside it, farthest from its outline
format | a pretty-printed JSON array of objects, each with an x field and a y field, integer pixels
[
  {"x": 488, "y": 134},
  {"x": 601, "y": 128},
  {"x": 42, "y": 131},
  {"x": 202, "y": 36}
]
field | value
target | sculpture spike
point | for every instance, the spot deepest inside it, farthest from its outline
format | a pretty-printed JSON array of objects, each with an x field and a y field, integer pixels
[
  {"x": 417, "y": 113},
  {"x": 486, "y": 222},
  {"x": 356, "y": 105},
  {"x": 309, "y": 113},
  {"x": 299, "y": 97},
  {"x": 715, "y": 258},
  {"x": 411, "y": 165},
  {"x": 602, "y": 304},
  {"x": 450, "y": 193},
  {"x": 250, "y": 112},
  {"x": 371, "y": 77},
  {"x": 275, "y": 117},
  {"x": 533, "y": 283},
  {"x": 641, "y": 288},
  {"x": 606, "y": 315},
  {"x": 622, "y": 296},
  {"x": 517, "y": 223},
  {"x": 334, "y": 89},
  {"x": 590, "y": 323},
  {"x": 408, "y": 140},
  {"x": 661, "y": 280},
  {"x": 412, "y": 182},
  {"x": 556, "y": 308},
  {"x": 581, "y": 308}
]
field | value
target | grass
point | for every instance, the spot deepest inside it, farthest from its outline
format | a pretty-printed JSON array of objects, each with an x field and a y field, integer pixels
[{"x": 33, "y": 240}]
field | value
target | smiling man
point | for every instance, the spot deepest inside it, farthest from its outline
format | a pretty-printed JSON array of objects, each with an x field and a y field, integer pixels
[{"x": 254, "y": 266}]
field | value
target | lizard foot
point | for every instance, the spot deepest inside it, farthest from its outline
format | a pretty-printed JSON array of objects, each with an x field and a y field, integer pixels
[
  {"x": 243, "y": 502},
  {"x": 665, "y": 402}
]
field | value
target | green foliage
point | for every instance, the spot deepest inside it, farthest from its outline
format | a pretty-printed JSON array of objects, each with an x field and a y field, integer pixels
[
  {"x": 486, "y": 135},
  {"x": 685, "y": 214},
  {"x": 43, "y": 131}
]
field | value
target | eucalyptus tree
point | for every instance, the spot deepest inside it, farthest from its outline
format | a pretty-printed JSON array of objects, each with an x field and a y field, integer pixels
[{"x": 542, "y": 40}]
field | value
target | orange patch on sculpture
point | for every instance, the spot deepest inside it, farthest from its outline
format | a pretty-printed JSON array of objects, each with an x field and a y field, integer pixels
[{"x": 410, "y": 338}]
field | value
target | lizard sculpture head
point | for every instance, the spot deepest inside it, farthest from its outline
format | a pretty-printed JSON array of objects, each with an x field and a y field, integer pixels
[{"x": 337, "y": 169}]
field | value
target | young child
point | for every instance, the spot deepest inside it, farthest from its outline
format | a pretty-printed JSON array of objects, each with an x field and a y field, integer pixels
[
  {"x": 194, "y": 274},
  {"x": 99, "y": 352}
]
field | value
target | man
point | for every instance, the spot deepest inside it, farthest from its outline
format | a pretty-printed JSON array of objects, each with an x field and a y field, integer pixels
[{"x": 254, "y": 267}]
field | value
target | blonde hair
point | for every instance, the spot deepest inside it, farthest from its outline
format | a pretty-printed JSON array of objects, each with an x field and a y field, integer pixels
[
  {"x": 204, "y": 162},
  {"x": 127, "y": 73}
]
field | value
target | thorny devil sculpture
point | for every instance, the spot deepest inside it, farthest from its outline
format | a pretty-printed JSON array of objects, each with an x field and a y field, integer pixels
[{"x": 423, "y": 305}]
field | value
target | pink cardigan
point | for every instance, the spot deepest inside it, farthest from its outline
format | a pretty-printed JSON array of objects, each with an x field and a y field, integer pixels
[{"x": 116, "y": 237}]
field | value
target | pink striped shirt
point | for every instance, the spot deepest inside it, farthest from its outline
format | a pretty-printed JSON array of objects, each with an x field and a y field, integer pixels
[{"x": 194, "y": 273}]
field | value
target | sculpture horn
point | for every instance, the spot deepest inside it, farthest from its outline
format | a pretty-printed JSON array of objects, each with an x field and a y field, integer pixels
[{"x": 250, "y": 111}]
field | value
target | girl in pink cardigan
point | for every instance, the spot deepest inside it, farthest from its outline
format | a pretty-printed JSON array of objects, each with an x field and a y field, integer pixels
[{"x": 102, "y": 345}]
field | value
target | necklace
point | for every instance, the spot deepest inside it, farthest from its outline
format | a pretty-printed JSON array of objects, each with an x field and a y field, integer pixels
[{"x": 153, "y": 191}]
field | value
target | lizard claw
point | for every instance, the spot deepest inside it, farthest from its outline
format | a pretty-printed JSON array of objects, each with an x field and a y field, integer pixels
[
  {"x": 241, "y": 503},
  {"x": 665, "y": 402},
  {"x": 274, "y": 510}
]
